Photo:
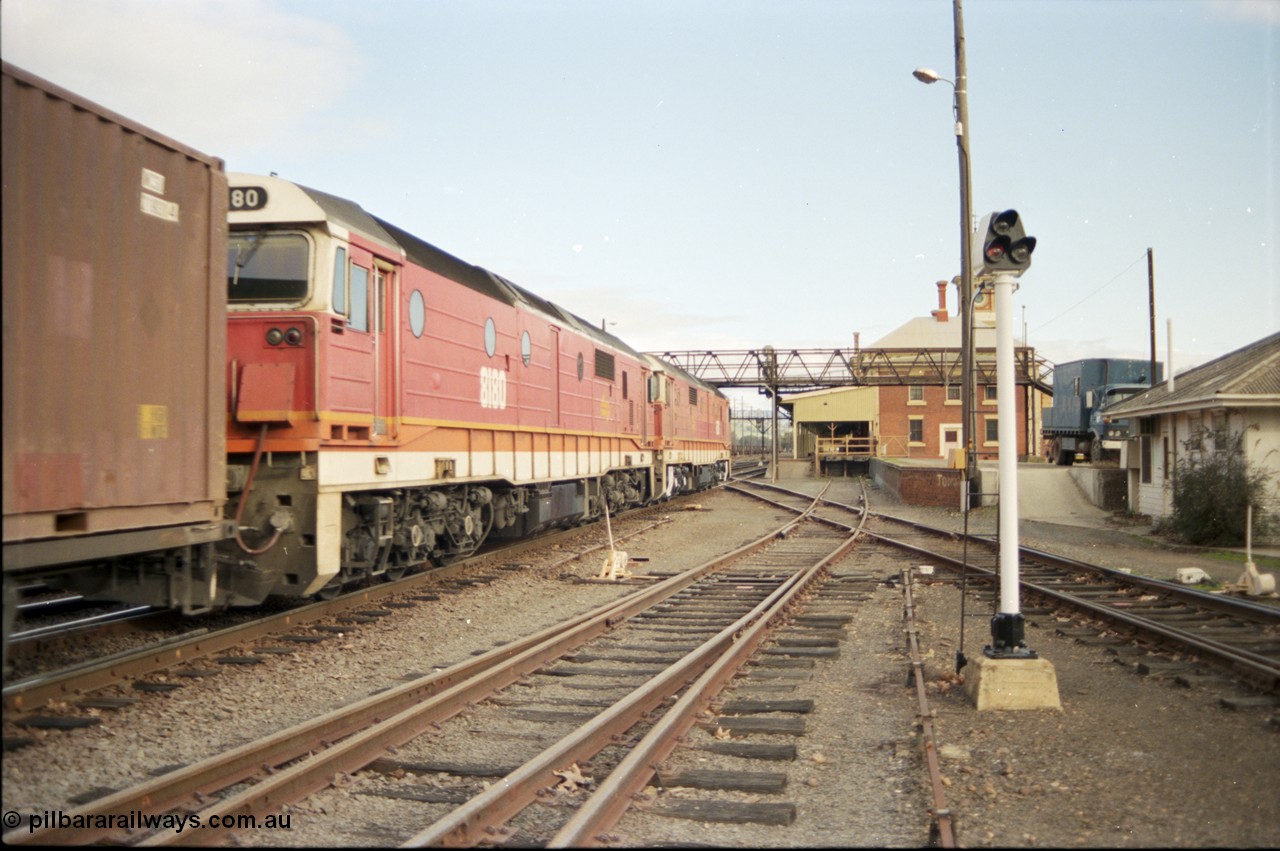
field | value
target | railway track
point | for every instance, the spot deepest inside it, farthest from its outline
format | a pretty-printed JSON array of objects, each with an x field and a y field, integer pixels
[
  {"x": 1237, "y": 636},
  {"x": 191, "y": 642},
  {"x": 655, "y": 659}
]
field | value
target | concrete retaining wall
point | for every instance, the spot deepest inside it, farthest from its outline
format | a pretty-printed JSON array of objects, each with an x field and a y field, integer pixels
[{"x": 1105, "y": 487}]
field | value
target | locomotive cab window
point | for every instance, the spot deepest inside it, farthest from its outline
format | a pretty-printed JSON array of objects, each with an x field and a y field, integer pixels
[
  {"x": 267, "y": 267},
  {"x": 358, "y": 319},
  {"x": 340, "y": 281}
]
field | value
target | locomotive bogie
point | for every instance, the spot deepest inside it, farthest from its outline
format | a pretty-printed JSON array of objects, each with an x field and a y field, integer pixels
[{"x": 333, "y": 538}]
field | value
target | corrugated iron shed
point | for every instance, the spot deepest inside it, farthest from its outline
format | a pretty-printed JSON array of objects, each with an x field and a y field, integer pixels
[{"x": 1247, "y": 377}]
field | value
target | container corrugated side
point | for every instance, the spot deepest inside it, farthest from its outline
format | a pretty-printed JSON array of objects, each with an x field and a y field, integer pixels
[{"x": 114, "y": 313}]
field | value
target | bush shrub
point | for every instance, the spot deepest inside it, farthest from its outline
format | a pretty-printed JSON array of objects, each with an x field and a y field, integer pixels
[{"x": 1210, "y": 496}]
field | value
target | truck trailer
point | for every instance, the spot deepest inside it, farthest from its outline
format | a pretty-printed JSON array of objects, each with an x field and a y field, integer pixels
[{"x": 1081, "y": 390}]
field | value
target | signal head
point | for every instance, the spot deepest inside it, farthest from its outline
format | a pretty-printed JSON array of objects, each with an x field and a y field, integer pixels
[{"x": 1001, "y": 245}]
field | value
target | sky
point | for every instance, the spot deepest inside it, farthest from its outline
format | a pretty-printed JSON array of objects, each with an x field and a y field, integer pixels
[{"x": 730, "y": 174}]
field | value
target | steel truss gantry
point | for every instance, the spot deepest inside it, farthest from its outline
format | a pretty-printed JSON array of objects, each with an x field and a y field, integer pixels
[{"x": 800, "y": 370}]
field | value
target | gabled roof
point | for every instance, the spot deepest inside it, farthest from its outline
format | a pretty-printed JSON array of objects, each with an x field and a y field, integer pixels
[
  {"x": 925, "y": 332},
  {"x": 1247, "y": 377}
]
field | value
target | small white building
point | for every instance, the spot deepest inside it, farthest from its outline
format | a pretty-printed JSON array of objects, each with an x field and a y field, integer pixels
[{"x": 1199, "y": 412}]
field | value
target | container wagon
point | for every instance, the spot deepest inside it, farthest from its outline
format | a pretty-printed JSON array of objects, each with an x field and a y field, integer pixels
[{"x": 114, "y": 241}]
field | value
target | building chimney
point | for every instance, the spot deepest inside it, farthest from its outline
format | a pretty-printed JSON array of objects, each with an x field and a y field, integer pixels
[{"x": 941, "y": 313}]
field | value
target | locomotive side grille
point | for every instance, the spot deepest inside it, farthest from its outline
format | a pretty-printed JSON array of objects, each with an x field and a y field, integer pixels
[{"x": 604, "y": 365}]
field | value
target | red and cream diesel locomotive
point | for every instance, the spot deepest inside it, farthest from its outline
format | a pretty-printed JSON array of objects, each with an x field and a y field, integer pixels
[
  {"x": 360, "y": 402},
  {"x": 391, "y": 406}
]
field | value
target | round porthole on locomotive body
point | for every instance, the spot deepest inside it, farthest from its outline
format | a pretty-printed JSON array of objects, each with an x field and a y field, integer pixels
[
  {"x": 490, "y": 337},
  {"x": 417, "y": 313},
  {"x": 526, "y": 348}
]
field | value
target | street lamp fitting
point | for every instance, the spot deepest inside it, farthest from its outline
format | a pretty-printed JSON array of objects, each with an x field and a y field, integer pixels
[{"x": 930, "y": 76}]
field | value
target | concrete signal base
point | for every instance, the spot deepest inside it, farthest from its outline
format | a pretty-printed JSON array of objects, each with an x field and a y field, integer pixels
[{"x": 1012, "y": 684}]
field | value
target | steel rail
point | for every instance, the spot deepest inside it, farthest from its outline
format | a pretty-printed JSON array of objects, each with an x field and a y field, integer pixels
[
  {"x": 939, "y": 813},
  {"x": 943, "y": 831},
  {"x": 436, "y": 692},
  {"x": 496, "y": 805},
  {"x": 68, "y": 627},
  {"x": 711, "y": 664},
  {"x": 362, "y": 731},
  {"x": 1248, "y": 609},
  {"x": 1264, "y": 668},
  {"x": 361, "y": 748},
  {"x": 30, "y": 694},
  {"x": 611, "y": 799}
]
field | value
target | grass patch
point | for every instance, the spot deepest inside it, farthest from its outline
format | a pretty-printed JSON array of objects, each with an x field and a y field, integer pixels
[{"x": 1263, "y": 562}]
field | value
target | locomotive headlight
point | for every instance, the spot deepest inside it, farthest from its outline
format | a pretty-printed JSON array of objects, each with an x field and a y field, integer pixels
[
  {"x": 293, "y": 336},
  {"x": 274, "y": 336}
]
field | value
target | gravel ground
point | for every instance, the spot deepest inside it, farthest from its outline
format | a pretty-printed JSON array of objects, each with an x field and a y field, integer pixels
[{"x": 1129, "y": 761}]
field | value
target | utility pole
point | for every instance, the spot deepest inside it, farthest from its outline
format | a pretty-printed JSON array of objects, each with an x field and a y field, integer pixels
[{"x": 1151, "y": 297}]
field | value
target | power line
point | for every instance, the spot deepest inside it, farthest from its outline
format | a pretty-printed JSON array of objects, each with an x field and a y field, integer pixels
[{"x": 1141, "y": 257}]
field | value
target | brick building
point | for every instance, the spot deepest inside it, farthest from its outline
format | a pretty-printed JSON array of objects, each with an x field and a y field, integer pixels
[{"x": 907, "y": 403}]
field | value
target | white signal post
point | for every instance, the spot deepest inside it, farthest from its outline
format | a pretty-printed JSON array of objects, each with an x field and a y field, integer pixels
[
  {"x": 1007, "y": 435},
  {"x": 1009, "y": 675}
]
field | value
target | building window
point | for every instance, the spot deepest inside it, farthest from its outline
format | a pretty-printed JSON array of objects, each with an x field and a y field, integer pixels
[
  {"x": 992, "y": 429},
  {"x": 1145, "y": 441},
  {"x": 1221, "y": 438},
  {"x": 915, "y": 394},
  {"x": 989, "y": 393},
  {"x": 953, "y": 394},
  {"x": 915, "y": 430},
  {"x": 1195, "y": 432}
]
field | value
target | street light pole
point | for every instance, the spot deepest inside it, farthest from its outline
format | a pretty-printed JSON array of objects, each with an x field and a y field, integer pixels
[
  {"x": 966, "y": 246},
  {"x": 961, "y": 87}
]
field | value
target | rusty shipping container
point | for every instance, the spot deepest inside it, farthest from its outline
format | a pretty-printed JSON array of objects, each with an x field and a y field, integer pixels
[{"x": 114, "y": 332}]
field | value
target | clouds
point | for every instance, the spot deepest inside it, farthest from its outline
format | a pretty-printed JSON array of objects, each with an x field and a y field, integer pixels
[
  {"x": 766, "y": 172},
  {"x": 218, "y": 76},
  {"x": 1261, "y": 11}
]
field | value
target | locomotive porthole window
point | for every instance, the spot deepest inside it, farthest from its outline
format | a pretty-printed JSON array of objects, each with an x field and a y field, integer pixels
[
  {"x": 490, "y": 337},
  {"x": 579, "y": 366},
  {"x": 417, "y": 313},
  {"x": 526, "y": 348}
]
